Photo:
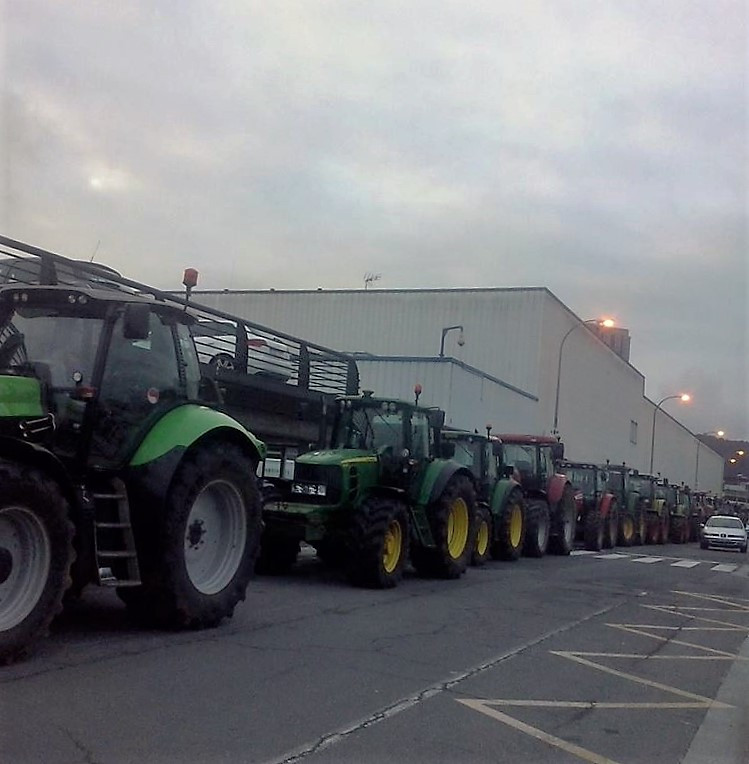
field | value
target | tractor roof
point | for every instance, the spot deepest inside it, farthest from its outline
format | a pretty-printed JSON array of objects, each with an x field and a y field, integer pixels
[{"x": 546, "y": 440}]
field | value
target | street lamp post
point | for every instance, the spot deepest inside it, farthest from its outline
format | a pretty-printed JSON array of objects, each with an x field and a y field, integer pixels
[
  {"x": 461, "y": 340},
  {"x": 682, "y": 396},
  {"x": 608, "y": 323}
]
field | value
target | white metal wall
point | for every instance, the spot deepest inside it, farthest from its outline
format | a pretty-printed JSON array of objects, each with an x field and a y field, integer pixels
[
  {"x": 470, "y": 400},
  {"x": 502, "y": 326}
]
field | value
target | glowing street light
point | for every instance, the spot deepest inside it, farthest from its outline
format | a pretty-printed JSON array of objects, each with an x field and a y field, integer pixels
[
  {"x": 684, "y": 398},
  {"x": 607, "y": 323}
]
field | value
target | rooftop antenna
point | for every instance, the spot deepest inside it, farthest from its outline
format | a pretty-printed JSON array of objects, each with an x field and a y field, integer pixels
[
  {"x": 371, "y": 277},
  {"x": 96, "y": 249}
]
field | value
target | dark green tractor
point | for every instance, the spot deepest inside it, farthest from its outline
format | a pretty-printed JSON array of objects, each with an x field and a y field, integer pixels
[
  {"x": 379, "y": 494},
  {"x": 632, "y": 497},
  {"x": 112, "y": 469},
  {"x": 500, "y": 513}
]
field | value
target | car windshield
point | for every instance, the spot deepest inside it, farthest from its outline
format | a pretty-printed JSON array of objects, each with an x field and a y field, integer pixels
[
  {"x": 370, "y": 428},
  {"x": 724, "y": 522},
  {"x": 51, "y": 344}
]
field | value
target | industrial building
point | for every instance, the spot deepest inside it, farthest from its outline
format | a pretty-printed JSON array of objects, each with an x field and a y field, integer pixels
[{"x": 517, "y": 359}]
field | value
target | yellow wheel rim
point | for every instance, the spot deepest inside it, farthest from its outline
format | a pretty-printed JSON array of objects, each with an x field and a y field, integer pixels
[
  {"x": 628, "y": 528},
  {"x": 391, "y": 552},
  {"x": 457, "y": 528},
  {"x": 482, "y": 537},
  {"x": 516, "y": 525}
]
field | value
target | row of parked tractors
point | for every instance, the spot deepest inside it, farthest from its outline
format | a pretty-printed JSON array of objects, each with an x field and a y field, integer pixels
[
  {"x": 396, "y": 485},
  {"x": 120, "y": 468}
]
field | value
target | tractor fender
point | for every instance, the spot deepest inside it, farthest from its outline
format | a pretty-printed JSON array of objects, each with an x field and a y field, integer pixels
[
  {"x": 501, "y": 493},
  {"x": 171, "y": 439},
  {"x": 607, "y": 501},
  {"x": 25, "y": 452},
  {"x": 438, "y": 475},
  {"x": 557, "y": 484}
]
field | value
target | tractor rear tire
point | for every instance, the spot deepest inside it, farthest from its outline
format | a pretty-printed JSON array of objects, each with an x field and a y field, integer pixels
[
  {"x": 538, "y": 526},
  {"x": 611, "y": 524},
  {"x": 564, "y": 523},
  {"x": 626, "y": 529},
  {"x": 641, "y": 529},
  {"x": 452, "y": 521},
  {"x": 652, "y": 530},
  {"x": 483, "y": 535},
  {"x": 36, "y": 554},
  {"x": 378, "y": 544},
  {"x": 197, "y": 555},
  {"x": 593, "y": 531},
  {"x": 511, "y": 530}
]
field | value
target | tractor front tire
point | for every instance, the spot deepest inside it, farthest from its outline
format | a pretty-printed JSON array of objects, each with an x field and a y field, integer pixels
[
  {"x": 538, "y": 525},
  {"x": 379, "y": 544},
  {"x": 452, "y": 521},
  {"x": 198, "y": 554},
  {"x": 564, "y": 523},
  {"x": 36, "y": 554},
  {"x": 511, "y": 530},
  {"x": 593, "y": 531},
  {"x": 679, "y": 530},
  {"x": 665, "y": 527},
  {"x": 483, "y": 535},
  {"x": 611, "y": 523}
]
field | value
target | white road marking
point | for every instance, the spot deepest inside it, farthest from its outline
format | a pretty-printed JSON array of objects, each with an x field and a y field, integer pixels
[
  {"x": 725, "y": 568},
  {"x": 648, "y": 560},
  {"x": 612, "y": 556},
  {"x": 685, "y": 564},
  {"x": 580, "y": 552}
]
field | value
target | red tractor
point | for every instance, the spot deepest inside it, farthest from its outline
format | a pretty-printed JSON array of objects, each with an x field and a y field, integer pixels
[
  {"x": 598, "y": 511},
  {"x": 551, "y": 512}
]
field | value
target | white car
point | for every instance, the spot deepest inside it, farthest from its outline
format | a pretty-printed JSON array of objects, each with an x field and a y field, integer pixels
[
  {"x": 724, "y": 532},
  {"x": 216, "y": 340}
]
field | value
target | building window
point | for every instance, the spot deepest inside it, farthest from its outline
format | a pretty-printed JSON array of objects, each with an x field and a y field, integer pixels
[{"x": 633, "y": 431}]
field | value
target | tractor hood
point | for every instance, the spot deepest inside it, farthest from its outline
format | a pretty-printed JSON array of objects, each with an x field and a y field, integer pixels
[
  {"x": 20, "y": 396},
  {"x": 336, "y": 457}
]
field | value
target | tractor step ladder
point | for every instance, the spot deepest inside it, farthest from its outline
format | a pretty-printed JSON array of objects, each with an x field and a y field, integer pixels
[{"x": 116, "y": 556}]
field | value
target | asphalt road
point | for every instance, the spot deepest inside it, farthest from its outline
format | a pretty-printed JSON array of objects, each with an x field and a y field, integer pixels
[{"x": 636, "y": 658}]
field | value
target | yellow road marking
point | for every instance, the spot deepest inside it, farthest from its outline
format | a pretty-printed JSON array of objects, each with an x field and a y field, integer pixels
[
  {"x": 575, "y": 750},
  {"x": 710, "y": 703},
  {"x": 665, "y": 657},
  {"x": 661, "y": 609},
  {"x": 658, "y": 637},
  {"x": 717, "y": 598}
]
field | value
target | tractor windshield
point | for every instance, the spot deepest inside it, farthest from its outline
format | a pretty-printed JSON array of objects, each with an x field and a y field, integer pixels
[
  {"x": 56, "y": 346},
  {"x": 370, "y": 428},
  {"x": 583, "y": 479},
  {"x": 615, "y": 482}
]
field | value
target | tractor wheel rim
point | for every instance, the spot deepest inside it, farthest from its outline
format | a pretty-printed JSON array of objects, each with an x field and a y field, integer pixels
[
  {"x": 482, "y": 537},
  {"x": 392, "y": 547},
  {"x": 457, "y": 528},
  {"x": 215, "y": 536},
  {"x": 570, "y": 512},
  {"x": 27, "y": 560},
  {"x": 516, "y": 526}
]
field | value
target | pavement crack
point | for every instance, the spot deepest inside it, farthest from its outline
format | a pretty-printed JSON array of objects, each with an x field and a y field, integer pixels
[{"x": 88, "y": 756}]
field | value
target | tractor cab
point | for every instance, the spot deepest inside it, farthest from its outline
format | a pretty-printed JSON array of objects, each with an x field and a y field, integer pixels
[{"x": 87, "y": 372}]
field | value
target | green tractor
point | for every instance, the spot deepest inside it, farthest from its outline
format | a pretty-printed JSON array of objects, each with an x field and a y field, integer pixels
[
  {"x": 500, "y": 526},
  {"x": 380, "y": 494},
  {"x": 626, "y": 485},
  {"x": 112, "y": 469},
  {"x": 657, "y": 511}
]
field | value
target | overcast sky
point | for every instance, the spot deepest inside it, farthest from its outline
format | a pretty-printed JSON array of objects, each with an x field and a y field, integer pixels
[{"x": 596, "y": 147}]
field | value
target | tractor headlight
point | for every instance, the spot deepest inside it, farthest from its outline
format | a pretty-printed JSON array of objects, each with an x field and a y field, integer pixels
[{"x": 309, "y": 489}]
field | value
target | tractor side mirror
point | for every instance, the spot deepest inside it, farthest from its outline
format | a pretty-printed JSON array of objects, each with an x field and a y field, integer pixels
[
  {"x": 136, "y": 321},
  {"x": 557, "y": 451},
  {"x": 496, "y": 449}
]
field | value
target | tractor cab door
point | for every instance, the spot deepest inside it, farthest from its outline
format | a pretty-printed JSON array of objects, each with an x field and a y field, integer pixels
[
  {"x": 546, "y": 466},
  {"x": 141, "y": 380}
]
